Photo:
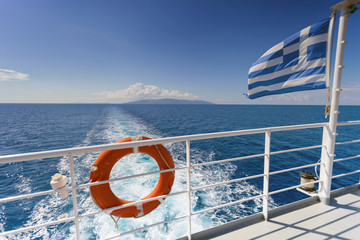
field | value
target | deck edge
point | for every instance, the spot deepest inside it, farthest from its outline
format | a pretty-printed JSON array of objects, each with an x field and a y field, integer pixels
[{"x": 258, "y": 217}]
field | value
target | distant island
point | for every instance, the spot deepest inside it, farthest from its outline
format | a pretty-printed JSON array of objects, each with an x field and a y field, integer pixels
[{"x": 168, "y": 101}]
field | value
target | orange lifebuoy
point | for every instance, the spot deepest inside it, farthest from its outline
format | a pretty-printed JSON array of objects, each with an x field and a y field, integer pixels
[{"x": 103, "y": 195}]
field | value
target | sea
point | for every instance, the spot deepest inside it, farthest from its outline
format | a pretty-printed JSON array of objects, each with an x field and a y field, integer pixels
[{"x": 40, "y": 127}]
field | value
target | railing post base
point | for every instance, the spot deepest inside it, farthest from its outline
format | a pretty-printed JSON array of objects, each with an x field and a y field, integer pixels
[{"x": 325, "y": 201}]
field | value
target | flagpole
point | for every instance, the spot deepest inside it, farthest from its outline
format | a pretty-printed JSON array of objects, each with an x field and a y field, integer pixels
[{"x": 329, "y": 132}]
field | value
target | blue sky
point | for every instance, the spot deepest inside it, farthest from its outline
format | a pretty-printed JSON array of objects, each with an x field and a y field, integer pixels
[{"x": 118, "y": 51}]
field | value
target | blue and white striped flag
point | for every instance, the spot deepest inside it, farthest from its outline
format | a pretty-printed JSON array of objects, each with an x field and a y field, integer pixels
[{"x": 298, "y": 63}]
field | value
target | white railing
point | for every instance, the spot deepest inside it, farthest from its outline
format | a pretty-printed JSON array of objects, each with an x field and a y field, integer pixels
[{"x": 187, "y": 139}]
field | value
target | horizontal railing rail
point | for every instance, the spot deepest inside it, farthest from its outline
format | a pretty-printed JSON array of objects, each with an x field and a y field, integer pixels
[
  {"x": 113, "y": 146},
  {"x": 228, "y": 160},
  {"x": 348, "y": 142},
  {"x": 346, "y": 174},
  {"x": 347, "y": 158},
  {"x": 294, "y": 168},
  {"x": 70, "y": 152},
  {"x": 293, "y": 187},
  {"x": 228, "y": 204}
]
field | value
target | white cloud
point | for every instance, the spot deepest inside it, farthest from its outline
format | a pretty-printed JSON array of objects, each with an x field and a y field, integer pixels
[
  {"x": 350, "y": 93},
  {"x": 11, "y": 75},
  {"x": 316, "y": 97},
  {"x": 141, "y": 91},
  {"x": 313, "y": 97},
  {"x": 351, "y": 86}
]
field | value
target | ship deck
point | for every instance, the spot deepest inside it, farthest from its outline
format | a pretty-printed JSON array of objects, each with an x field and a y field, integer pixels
[{"x": 306, "y": 219}]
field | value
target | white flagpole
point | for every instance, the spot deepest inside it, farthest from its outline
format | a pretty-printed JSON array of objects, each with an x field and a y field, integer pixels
[{"x": 329, "y": 132}]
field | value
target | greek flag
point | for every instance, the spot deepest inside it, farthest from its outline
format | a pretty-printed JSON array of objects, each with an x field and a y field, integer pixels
[{"x": 298, "y": 63}]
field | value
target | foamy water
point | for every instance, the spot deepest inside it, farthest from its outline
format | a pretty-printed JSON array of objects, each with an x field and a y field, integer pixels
[{"x": 113, "y": 125}]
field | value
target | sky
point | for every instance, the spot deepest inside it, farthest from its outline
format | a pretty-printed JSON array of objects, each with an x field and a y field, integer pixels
[{"x": 112, "y": 51}]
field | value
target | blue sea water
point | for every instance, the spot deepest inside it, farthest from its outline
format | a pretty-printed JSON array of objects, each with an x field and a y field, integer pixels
[{"x": 40, "y": 127}]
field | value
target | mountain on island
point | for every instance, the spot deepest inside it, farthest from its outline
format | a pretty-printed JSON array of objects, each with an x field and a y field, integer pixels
[{"x": 168, "y": 101}]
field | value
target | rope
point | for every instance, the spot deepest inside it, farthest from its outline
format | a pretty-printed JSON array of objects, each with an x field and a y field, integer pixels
[
  {"x": 328, "y": 67},
  {"x": 333, "y": 14},
  {"x": 316, "y": 169},
  {"x": 138, "y": 138},
  {"x": 116, "y": 227},
  {"x": 320, "y": 183},
  {"x": 327, "y": 100},
  {"x": 353, "y": 9},
  {"x": 173, "y": 172}
]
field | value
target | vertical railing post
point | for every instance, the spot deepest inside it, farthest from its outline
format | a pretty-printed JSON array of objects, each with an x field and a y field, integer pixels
[
  {"x": 73, "y": 185},
  {"x": 188, "y": 165},
  {"x": 266, "y": 176},
  {"x": 329, "y": 132}
]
